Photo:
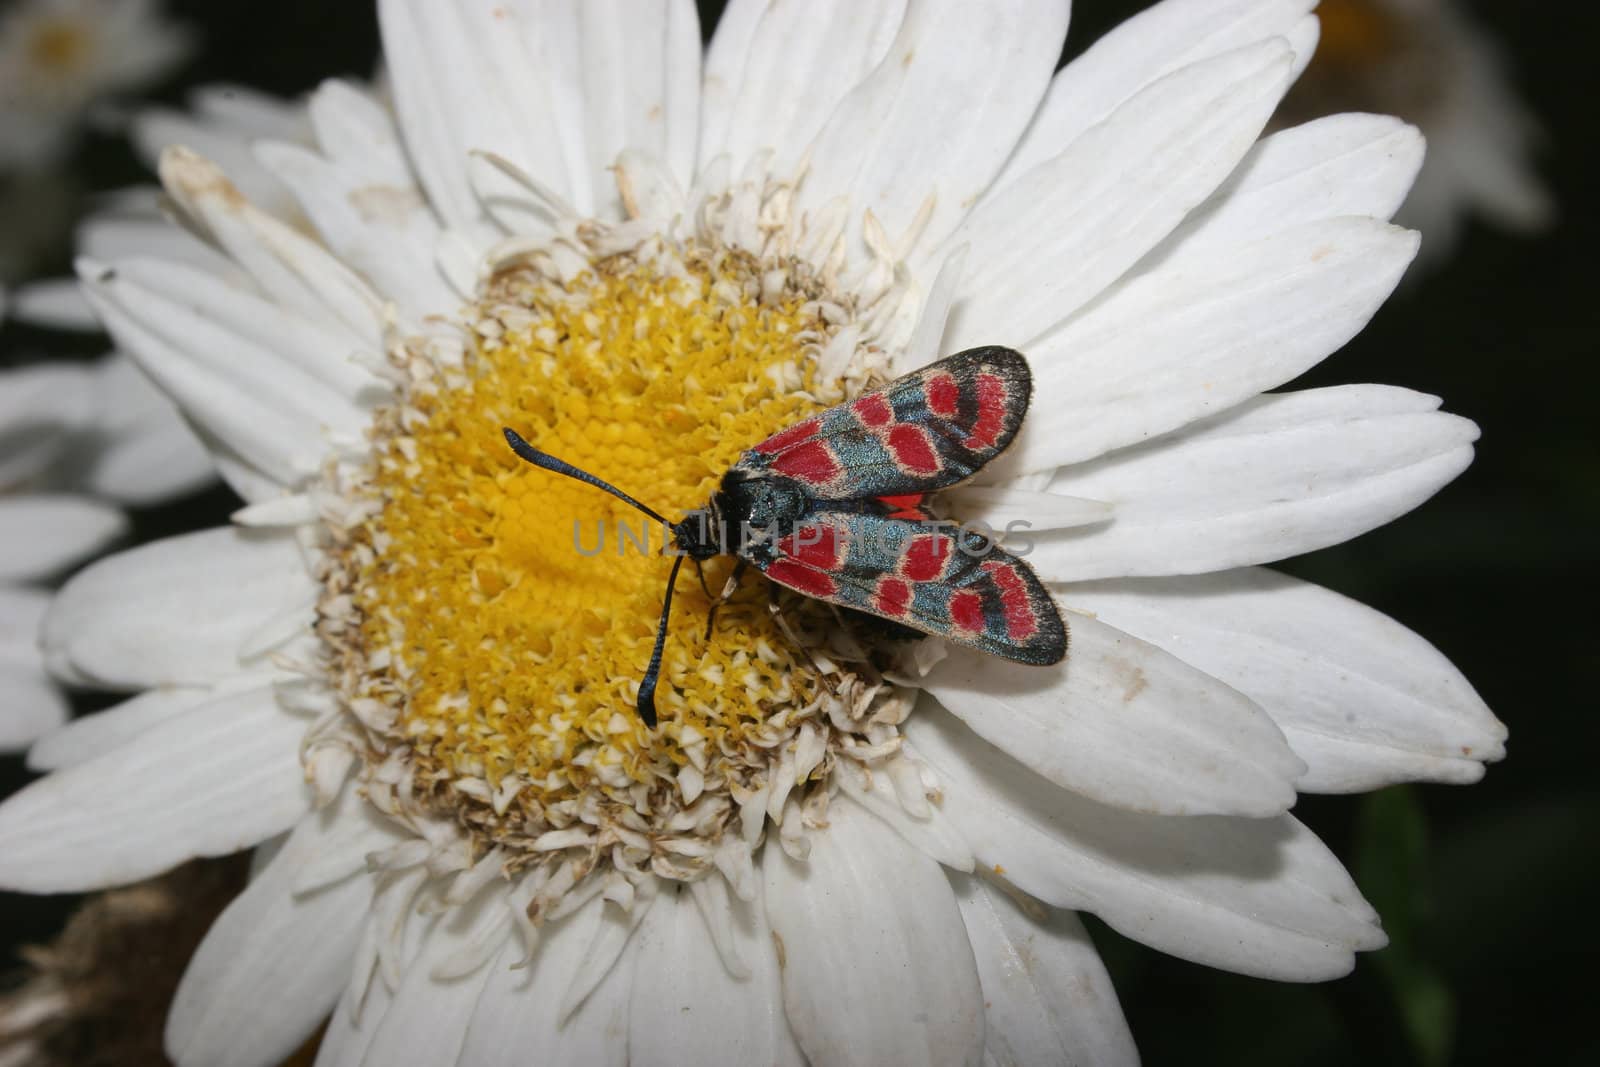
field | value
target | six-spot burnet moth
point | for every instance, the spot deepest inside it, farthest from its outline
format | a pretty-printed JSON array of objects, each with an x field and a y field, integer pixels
[{"x": 832, "y": 507}]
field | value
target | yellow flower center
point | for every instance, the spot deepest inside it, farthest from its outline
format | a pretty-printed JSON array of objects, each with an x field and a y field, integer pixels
[
  {"x": 59, "y": 45},
  {"x": 507, "y": 614},
  {"x": 1355, "y": 33}
]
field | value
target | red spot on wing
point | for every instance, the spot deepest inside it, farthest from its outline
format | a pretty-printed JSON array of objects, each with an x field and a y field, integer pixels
[
  {"x": 904, "y": 506},
  {"x": 802, "y": 578},
  {"x": 811, "y": 462},
  {"x": 873, "y": 410},
  {"x": 783, "y": 439},
  {"x": 943, "y": 395},
  {"x": 912, "y": 450},
  {"x": 1021, "y": 620},
  {"x": 966, "y": 610},
  {"x": 926, "y": 556},
  {"x": 991, "y": 390},
  {"x": 817, "y": 545},
  {"x": 892, "y": 597}
]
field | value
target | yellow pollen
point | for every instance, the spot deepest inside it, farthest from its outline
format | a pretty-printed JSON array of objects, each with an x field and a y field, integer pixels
[{"x": 516, "y": 608}]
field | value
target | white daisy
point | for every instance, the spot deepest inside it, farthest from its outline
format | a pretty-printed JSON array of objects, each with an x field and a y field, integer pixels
[
  {"x": 58, "y": 57},
  {"x": 650, "y": 259},
  {"x": 1429, "y": 63}
]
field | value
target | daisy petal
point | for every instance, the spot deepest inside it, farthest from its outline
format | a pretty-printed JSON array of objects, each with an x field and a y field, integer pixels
[
  {"x": 1178, "y": 343},
  {"x": 1159, "y": 40},
  {"x": 1047, "y": 996},
  {"x": 1258, "y": 896},
  {"x": 39, "y": 406},
  {"x": 129, "y": 620},
  {"x": 640, "y": 70},
  {"x": 669, "y": 1022},
  {"x": 761, "y": 51},
  {"x": 57, "y": 304},
  {"x": 274, "y": 962},
  {"x": 1275, "y": 477},
  {"x": 225, "y": 140},
  {"x": 517, "y": 1017},
  {"x": 214, "y": 780},
  {"x": 95, "y": 735},
  {"x": 361, "y": 198},
  {"x": 1363, "y": 700},
  {"x": 149, "y": 453},
  {"x": 254, "y": 408},
  {"x": 1341, "y": 165},
  {"x": 352, "y": 1027},
  {"x": 999, "y": 508},
  {"x": 1047, "y": 243},
  {"x": 427, "y": 1021},
  {"x": 43, "y": 533},
  {"x": 844, "y": 906},
  {"x": 448, "y": 59},
  {"x": 951, "y": 98},
  {"x": 32, "y": 705},
  {"x": 297, "y": 272},
  {"x": 1125, "y": 723}
]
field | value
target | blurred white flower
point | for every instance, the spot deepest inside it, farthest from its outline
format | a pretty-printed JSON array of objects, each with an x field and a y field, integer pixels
[
  {"x": 59, "y": 57},
  {"x": 1429, "y": 63}
]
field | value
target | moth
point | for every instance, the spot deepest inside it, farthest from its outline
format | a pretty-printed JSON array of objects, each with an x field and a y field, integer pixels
[{"x": 833, "y": 508}]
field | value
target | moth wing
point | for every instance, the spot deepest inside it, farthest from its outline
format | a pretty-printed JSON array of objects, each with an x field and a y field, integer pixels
[
  {"x": 914, "y": 572},
  {"x": 931, "y": 429}
]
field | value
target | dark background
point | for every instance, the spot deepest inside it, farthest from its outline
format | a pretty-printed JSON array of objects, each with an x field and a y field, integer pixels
[{"x": 1487, "y": 891}]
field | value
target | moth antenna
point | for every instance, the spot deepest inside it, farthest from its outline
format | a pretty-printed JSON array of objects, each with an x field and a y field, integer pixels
[
  {"x": 550, "y": 463},
  {"x": 652, "y": 673}
]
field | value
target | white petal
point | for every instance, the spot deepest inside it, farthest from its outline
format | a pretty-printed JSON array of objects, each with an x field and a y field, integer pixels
[
  {"x": 274, "y": 962},
  {"x": 30, "y": 703},
  {"x": 295, "y": 270},
  {"x": 1363, "y": 700},
  {"x": 1152, "y": 44},
  {"x": 1053, "y": 239},
  {"x": 91, "y": 736},
  {"x": 148, "y": 454},
  {"x": 640, "y": 69},
  {"x": 763, "y": 51},
  {"x": 1340, "y": 165},
  {"x": 999, "y": 508},
  {"x": 226, "y": 143},
  {"x": 875, "y": 961},
  {"x": 686, "y": 1008},
  {"x": 938, "y": 115},
  {"x": 1125, "y": 723},
  {"x": 1046, "y": 994},
  {"x": 516, "y": 1022},
  {"x": 1273, "y": 478},
  {"x": 178, "y": 611},
  {"x": 382, "y": 228},
  {"x": 354, "y": 1024},
  {"x": 1258, "y": 896},
  {"x": 928, "y": 832},
  {"x": 255, "y": 409},
  {"x": 56, "y": 304},
  {"x": 213, "y": 780},
  {"x": 1172, "y": 344},
  {"x": 41, "y": 534},
  {"x": 40, "y": 405},
  {"x": 428, "y": 1019}
]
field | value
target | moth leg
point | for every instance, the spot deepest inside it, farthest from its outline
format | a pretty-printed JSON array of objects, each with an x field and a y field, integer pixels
[
  {"x": 700, "y": 572},
  {"x": 794, "y": 639},
  {"x": 728, "y": 589}
]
